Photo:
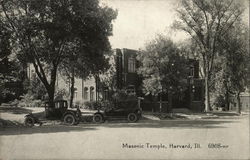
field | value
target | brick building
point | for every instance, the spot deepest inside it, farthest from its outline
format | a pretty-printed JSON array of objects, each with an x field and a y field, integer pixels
[{"x": 126, "y": 77}]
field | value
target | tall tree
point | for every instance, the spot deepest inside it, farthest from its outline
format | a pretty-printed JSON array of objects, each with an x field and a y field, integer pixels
[
  {"x": 235, "y": 62},
  {"x": 43, "y": 30},
  {"x": 79, "y": 64},
  {"x": 205, "y": 21},
  {"x": 163, "y": 69}
]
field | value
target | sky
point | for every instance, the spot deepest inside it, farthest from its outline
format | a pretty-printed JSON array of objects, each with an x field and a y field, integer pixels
[{"x": 139, "y": 21}]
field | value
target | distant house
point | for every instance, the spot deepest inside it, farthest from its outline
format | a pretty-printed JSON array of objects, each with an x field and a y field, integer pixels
[{"x": 244, "y": 101}]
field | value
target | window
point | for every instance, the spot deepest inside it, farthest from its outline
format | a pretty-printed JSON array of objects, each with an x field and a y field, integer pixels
[
  {"x": 191, "y": 72},
  {"x": 131, "y": 65},
  {"x": 75, "y": 92},
  {"x": 105, "y": 94},
  {"x": 92, "y": 93},
  {"x": 85, "y": 96},
  {"x": 197, "y": 93}
]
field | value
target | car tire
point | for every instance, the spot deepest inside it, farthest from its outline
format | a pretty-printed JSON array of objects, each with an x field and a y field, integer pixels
[
  {"x": 69, "y": 119},
  {"x": 29, "y": 121},
  {"x": 98, "y": 118},
  {"x": 132, "y": 117}
]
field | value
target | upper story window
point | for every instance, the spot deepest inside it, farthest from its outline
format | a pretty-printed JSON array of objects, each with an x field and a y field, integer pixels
[
  {"x": 106, "y": 94},
  {"x": 92, "y": 93},
  {"x": 191, "y": 72},
  {"x": 85, "y": 93},
  {"x": 75, "y": 92},
  {"x": 131, "y": 65}
]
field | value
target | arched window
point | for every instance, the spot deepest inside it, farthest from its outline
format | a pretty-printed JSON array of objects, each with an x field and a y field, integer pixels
[
  {"x": 92, "y": 93},
  {"x": 85, "y": 96},
  {"x": 75, "y": 92},
  {"x": 131, "y": 65},
  {"x": 106, "y": 94},
  {"x": 191, "y": 71}
]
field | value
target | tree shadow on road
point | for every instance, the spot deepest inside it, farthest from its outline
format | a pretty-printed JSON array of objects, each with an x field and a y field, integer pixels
[
  {"x": 149, "y": 124},
  {"x": 183, "y": 124},
  {"x": 224, "y": 114},
  {"x": 21, "y": 130}
]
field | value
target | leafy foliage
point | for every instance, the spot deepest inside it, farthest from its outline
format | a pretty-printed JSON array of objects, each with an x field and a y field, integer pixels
[
  {"x": 232, "y": 77},
  {"x": 44, "y": 32},
  {"x": 206, "y": 21},
  {"x": 163, "y": 68}
]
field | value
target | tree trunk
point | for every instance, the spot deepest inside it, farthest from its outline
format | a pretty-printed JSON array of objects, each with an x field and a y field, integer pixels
[
  {"x": 207, "y": 97},
  {"x": 160, "y": 102},
  {"x": 51, "y": 89},
  {"x": 72, "y": 88},
  {"x": 227, "y": 100},
  {"x": 51, "y": 97},
  {"x": 238, "y": 102},
  {"x": 170, "y": 104},
  {"x": 51, "y": 104}
]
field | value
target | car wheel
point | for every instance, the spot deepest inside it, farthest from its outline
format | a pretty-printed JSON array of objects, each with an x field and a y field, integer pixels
[
  {"x": 98, "y": 118},
  {"x": 132, "y": 117},
  {"x": 69, "y": 119},
  {"x": 29, "y": 121}
]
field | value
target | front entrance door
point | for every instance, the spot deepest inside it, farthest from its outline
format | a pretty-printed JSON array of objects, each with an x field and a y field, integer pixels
[{"x": 181, "y": 99}]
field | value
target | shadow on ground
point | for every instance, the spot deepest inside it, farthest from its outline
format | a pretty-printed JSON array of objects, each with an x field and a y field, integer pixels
[
  {"x": 224, "y": 114},
  {"x": 151, "y": 124},
  {"x": 184, "y": 124},
  {"x": 14, "y": 110},
  {"x": 21, "y": 130}
]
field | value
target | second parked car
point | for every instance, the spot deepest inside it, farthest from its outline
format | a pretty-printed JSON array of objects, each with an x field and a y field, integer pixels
[{"x": 129, "y": 111}]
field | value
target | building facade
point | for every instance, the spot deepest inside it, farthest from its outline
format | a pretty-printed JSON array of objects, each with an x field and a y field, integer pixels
[{"x": 126, "y": 77}]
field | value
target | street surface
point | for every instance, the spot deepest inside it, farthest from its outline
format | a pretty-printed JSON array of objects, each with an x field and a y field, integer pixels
[{"x": 226, "y": 137}]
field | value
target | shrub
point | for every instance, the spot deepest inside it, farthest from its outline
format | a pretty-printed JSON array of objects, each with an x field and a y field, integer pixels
[
  {"x": 61, "y": 94},
  {"x": 35, "y": 87},
  {"x": 219, "y": 102},
  {"x": 95, "y": 105},
  {"x": 122, "y": 95},
  {"x": 92, "y": 105},
  {"x": 28, "y": 100}
]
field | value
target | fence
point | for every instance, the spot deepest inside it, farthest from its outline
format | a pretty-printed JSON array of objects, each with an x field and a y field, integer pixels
[{"x": 154, "y": 106}]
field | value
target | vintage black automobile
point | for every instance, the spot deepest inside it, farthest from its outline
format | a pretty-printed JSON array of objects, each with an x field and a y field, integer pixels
[
  {"x": 59, "y": 111},
  {"x": 129, "y": 110}
]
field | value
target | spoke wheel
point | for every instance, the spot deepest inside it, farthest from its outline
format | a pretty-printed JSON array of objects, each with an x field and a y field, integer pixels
[
  {"x": 29, "y": 121},
  {"x": 132, "y": 117},
  {"x": 69, "y": 119},
  {"x": 98, "y": 118}
]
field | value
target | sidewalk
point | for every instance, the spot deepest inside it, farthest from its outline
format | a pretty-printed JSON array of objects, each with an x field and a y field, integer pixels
[{"x": 189, "y": 115}]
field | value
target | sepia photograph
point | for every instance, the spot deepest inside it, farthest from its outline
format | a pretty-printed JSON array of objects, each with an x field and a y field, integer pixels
[{"x": 124, "y": 79}]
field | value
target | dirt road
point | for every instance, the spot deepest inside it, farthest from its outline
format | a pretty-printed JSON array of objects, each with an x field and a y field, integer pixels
[{"x": 222, "y": 138}]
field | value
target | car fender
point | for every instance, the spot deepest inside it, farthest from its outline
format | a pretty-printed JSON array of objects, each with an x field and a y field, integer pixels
[{"x": 29, "y": 115}]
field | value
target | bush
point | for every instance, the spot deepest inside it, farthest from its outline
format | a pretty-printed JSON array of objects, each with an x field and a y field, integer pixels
[
  {"x": 35, "y": 88},
  {"x": 28, "y": 100},
  {"x": 95, "y": 105},
  {"x": 122, "y": 95},
  {"x": 92, "y": 105},
  {"x": 61, "y": 94},
  {"x": 219, "y": 102}
]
